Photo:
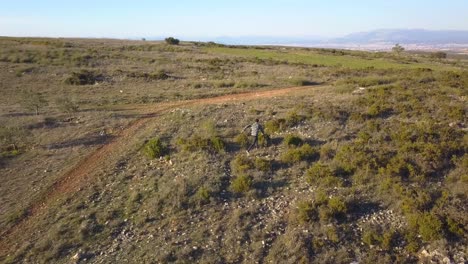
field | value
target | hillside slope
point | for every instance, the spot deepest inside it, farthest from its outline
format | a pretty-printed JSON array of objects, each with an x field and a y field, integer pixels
[{"x": 137, "y": 154}]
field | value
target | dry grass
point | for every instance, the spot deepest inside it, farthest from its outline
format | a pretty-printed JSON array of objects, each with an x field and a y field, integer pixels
[{"x": 396, "y": 145}]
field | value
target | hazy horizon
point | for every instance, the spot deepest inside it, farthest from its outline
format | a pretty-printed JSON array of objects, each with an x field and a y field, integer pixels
[{"x": 211, "y": 19}]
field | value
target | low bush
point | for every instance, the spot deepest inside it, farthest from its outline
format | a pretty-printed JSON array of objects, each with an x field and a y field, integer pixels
[
  {"x": 455, "y": 228},
  {"x": 217, "y": 144},
  {"x": 302, "y": 153},
  {"x": 264, "y": 140},
  {"x": 327, "y": 152},
  {"x": 262, "y": 164},
  {"x": 334, "y": 209},
  {"x": 293, "y": 119},
  {"x": 154, "y": 148},
  {"x": 172, "y": 41},
  {"x": 84, "y": 77},
  {"x": 322, "y": 174},
  {"x": 242, "y": 183},
  {"x": 203, "y": 195},
  {"x": 198, "y": 143},
  {"x": 305, "y": 211},
  {"x": 430, "y": 227},
  {"x": 273, "y": 126},
  {"x": 242, "y": 139},
  {"x": 241, "y": 163}
]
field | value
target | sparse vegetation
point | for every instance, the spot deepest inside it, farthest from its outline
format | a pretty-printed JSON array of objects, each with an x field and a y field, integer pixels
[{"x": 374, "y": 160}]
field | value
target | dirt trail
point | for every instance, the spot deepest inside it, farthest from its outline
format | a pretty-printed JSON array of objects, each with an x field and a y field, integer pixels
[{"x": 78, "y": 177}]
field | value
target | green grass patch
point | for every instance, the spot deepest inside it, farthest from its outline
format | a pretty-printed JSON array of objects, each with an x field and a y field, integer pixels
[{"x": 313, "y": 58}]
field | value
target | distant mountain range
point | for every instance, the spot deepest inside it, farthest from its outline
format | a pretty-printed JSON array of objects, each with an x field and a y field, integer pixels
[
  {"x": 406, "y": 36},
  {"x": 381, "y": 39}
]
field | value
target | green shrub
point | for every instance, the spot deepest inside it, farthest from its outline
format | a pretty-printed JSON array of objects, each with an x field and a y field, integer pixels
[
  {"x": 430, "y": 227},
  {"x": 203, "y": 194},
  {"x": 273, "y": 126},
  {"x": 242, "y": 183},
  {"x": 332, "y": 234},
  {"x": 197, "y": 143},
  {"x": 412, "y": 242},
  {"x": 194, "y": 143},
  {"x": 293, "y": 119},
  {"x": 388, "y": 239},
  {"x": 9, "y": 153},
  {"x": 302, "y": 153},
  {"x": 321, "y": 174},
  {"x": 84, "y": 77},
  {"x": 241, "y": 163},
  {"x": 370, "y": 237},
  {"x": 217, "y": 144},
  {"x": 318, "y": 171},
  {"x": 327, "y": 152},
  {"x": 242, "y": 139},
  {"x": 305, "y": 211},
  {"x": 263, "y": 140},
  {"x": 337, "y": 206},
  {"x": 292, "y": 140},
  {"x": 154, "y": 148},
  {"x": 262, "y": 164},
  {"x": 172, "y": 41},
  {"x": 455, "y": 228},
  {"x": 377, "y": 110},
  {"x": 334, "y": 208}
]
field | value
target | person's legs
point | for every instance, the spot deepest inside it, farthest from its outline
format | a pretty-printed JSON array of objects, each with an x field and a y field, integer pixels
[{"x": 254, "y": 143}]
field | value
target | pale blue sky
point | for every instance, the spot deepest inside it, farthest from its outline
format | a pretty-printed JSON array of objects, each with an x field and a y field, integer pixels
[{"x": 210, "y": 18}]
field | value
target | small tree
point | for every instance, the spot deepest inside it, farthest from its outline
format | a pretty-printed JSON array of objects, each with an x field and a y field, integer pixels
[
  {"x": 33, "y": 101},
  {"x": 398, "y": 49},
  {"x": 172, "y": 41}
]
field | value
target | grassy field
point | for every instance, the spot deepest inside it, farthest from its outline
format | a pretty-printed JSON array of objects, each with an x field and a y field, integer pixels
[
  {"x": 330, "y": 58},
  {"x": 132, "y": 151}
]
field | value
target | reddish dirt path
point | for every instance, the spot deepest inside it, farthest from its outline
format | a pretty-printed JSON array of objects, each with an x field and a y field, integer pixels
[{"x": 78, "y": 177}]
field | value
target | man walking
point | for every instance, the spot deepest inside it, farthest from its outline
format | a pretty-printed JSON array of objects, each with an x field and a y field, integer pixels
[{"x": 254, "y": 129}]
